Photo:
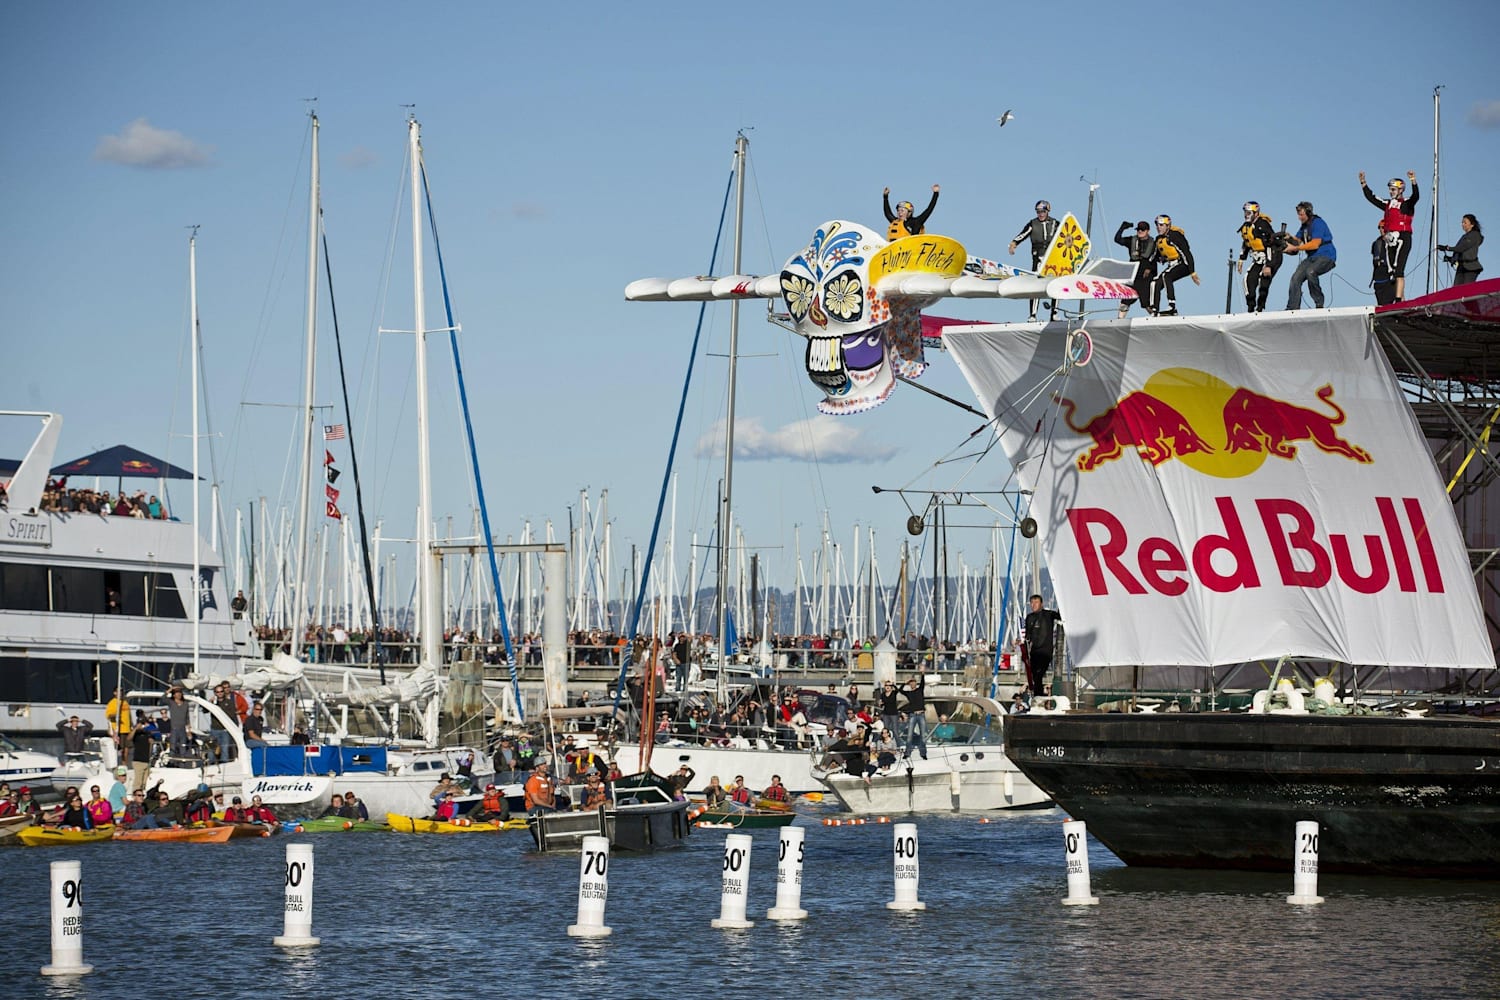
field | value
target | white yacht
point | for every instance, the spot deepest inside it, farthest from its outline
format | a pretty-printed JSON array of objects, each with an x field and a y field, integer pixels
[{"x": 91, "y": 602}]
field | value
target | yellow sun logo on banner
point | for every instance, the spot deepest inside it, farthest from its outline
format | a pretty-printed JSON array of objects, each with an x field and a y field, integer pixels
[{"x": 1069, "y": 249}]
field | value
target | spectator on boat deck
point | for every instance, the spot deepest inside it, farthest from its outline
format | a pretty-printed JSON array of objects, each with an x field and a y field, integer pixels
[
  {"x": 74, "y": 731},
  {"x": 1038, "y": 631},
  {"x": 466, "y": 770},
  {"x": 300, "y": 738},
  {"x": 140, "y": 749},
  {"x": 351, "y": 801},
  {"x": 540, "y": 796},
  {"x": 943, "y": 732},
  {"x": 916, "y": 714},
  {"x": 117, "y": 717},
  {"x": 177, "y": 719},
  {"x": 445, "y": 785},
  {"x": 224, "y": 699},
  {"x": 254, "y": 726}
]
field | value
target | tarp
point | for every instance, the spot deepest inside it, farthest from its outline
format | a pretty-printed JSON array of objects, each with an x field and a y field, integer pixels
[
  {"x": 1223, "y": 489},
  {"x": 119, "y": 461}
]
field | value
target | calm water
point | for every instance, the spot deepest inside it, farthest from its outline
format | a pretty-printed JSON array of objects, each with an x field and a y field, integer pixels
[{"x": 482, "y": 915}]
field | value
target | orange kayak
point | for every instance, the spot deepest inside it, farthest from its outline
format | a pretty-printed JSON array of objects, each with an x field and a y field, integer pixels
[{"x": 182, "y": 834}]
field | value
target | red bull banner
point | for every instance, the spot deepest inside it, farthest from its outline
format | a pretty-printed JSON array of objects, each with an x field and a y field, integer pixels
[{"x": 1227, "y": 489}]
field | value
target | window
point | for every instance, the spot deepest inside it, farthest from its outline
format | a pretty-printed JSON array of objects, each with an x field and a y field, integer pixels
[
  {"x": 80, "y": 590},
  {"x": 162, "y": 598},
  {"x": 23, "y": 587}
]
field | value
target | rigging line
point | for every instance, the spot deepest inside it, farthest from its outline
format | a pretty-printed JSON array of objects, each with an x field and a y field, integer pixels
[
  {"x": 359, "y": 497},
  {"x": 635, "y": 610},
  {"x": 463, "y": 397}
]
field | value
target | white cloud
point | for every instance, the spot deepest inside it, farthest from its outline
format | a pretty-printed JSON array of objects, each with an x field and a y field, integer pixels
[
  {"x": 358, "y": 158},
  {"x": 819, "y": 439},
  {"x": 141, "y": 144},
  {"x": 528, "y": 210},
  {"x": 1485, "y": 114}
]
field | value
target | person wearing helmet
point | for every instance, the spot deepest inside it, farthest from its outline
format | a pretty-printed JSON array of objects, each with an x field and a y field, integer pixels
[
  {"x": 1314, "y": 239},
  {"x": 1380, "y": 272},
  {"x": 1398, "y": 208},
  {"x": 1040, "y": 231},
  {"x": 1176, "y": 259},
  {"x": 1142, "y": 250},
  {"x": 1258, "y": 242},
  {"x": 902, "y": 222}
]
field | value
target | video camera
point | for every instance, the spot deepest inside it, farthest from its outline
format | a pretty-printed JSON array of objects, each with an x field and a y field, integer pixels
[{"x": 1278, "y": 241}]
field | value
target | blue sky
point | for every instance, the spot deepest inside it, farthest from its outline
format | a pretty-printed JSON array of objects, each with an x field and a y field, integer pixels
[{"x": 571, "y": 150}]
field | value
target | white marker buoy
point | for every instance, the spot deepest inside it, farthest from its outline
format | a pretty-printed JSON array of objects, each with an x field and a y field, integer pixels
[
  {"x": 736, "y": 882},
  {"x": 1305, "y": 860},
  {"x": 593, "y": 889},
  {"x": 67, "y": 921},
  {"x": 1076, "y": 852},
  {"x": 789, "y": 877},
  {"x": 297, "y": 922},
  {"x": 908, "y": 872}
]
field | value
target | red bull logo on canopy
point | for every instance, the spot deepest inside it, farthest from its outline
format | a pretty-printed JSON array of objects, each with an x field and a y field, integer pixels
[{"x": 1211, "y": 426}]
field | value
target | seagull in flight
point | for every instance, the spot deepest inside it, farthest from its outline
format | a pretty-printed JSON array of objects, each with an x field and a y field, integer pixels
[{"x": 1005, "y": 118}]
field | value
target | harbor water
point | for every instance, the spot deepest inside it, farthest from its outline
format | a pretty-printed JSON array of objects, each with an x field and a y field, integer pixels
[{"x": 482, "y": 914}]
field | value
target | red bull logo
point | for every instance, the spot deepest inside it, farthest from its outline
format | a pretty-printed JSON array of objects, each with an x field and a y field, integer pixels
[
  {"x": 136, "y": 465},
  {"x": 1306, "y": 554},
  {"x": 1212, "y": 427}
]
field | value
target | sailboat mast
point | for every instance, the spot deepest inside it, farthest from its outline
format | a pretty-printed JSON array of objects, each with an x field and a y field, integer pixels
[
  {"x": 193, "y": 336},
  {"x": 1432, "y": 239},
  {"x": 304, "y": 481},
  {"x": 427, "y": 604},
  {"x": 726, "y": 505}
]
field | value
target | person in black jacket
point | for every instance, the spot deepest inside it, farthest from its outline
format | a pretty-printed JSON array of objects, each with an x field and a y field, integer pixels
[
  {"x": 1142, "y": 249},
  {"x": 1258, "y": 242},
  {"x": 1464, "y": 254},
  {"x": 1040, "y": 231},
  {"x": 1380, "y": 269},
  {"x": 902, "y": 222},
  {"x": 916, "y": 715},
  {"x": 1175, "y": 259},
  {"x": 1040, "y": 637}
]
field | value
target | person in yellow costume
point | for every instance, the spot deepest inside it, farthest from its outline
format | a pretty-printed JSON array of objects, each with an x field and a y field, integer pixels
[
  {"x": 117, "y": 715},
  {"x": 902, "y": 222}
]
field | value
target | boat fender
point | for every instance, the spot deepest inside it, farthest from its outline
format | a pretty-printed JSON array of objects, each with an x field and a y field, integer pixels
[
  {"x": 1295, "y": 703},
  {"x": 955, "y": 786},
  {"x": 1323, "y": 690},
  {"x": 1258, "y": 702},
  {"x": 1009, "y": 784}
]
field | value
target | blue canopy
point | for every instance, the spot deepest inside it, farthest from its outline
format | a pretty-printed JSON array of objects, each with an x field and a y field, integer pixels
[{"x": 120, "y": 461}]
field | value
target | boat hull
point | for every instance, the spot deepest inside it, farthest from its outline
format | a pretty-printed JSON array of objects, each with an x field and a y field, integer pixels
[
  {"x": 1395, "y": 796},
  {"x": 645, "y": 827},
  {"x": 753, "y": 819},
  {"x": 986, "y": 781},
  {"x": 411, "y": 824}
]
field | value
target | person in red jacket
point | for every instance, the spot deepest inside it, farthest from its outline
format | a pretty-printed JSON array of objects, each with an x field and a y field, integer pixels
[{"x": 1397, "y": 211}]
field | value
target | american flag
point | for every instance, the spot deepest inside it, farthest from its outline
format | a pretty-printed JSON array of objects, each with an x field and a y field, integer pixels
[{"x": 333, "y": 432}]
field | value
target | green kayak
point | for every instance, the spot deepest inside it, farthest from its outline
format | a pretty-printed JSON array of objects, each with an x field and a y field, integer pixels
[{"x": 337, "y": 824}]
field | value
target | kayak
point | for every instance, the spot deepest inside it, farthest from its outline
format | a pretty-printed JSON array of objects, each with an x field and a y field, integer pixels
[
  {"x": 247, "y": 829},
  {"x": 747, "y": 819},
  {"x": 337, "y": 824},
  {"x": 50, "y": 836},
  {"x": 179, "y": 834},
  {"x": 410, "y": 824},
  {"x": 12, "y": 825}
]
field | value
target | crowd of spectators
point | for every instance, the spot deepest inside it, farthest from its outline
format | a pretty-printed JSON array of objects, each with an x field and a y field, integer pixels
[{"x": 60, "y": 498}]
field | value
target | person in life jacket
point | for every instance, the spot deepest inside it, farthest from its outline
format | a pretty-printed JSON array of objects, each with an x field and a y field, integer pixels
[
  {"x": 775, "y": 791},
  {"x": 1380, "y": 268},
  {"x": 1396, "y": 213},
  {"x": 1176, "y": 260},
  {"x": 199, "y": 807},
  {"x": 493, "y": 805},
  {"x": 1040, "y": 231},
  {"x": 1258, "y": 242},
  {"x": 1142, "y": 249},
  {"x": 902, "y": 222}
]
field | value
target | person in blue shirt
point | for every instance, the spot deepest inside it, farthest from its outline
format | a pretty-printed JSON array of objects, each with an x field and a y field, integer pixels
[{"x": 1315, "y": 240}]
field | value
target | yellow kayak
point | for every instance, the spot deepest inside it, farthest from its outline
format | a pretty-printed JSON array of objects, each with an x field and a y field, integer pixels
[
  {"x": 410, "y": 824},
  {"x": 50, "y": 836}
]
